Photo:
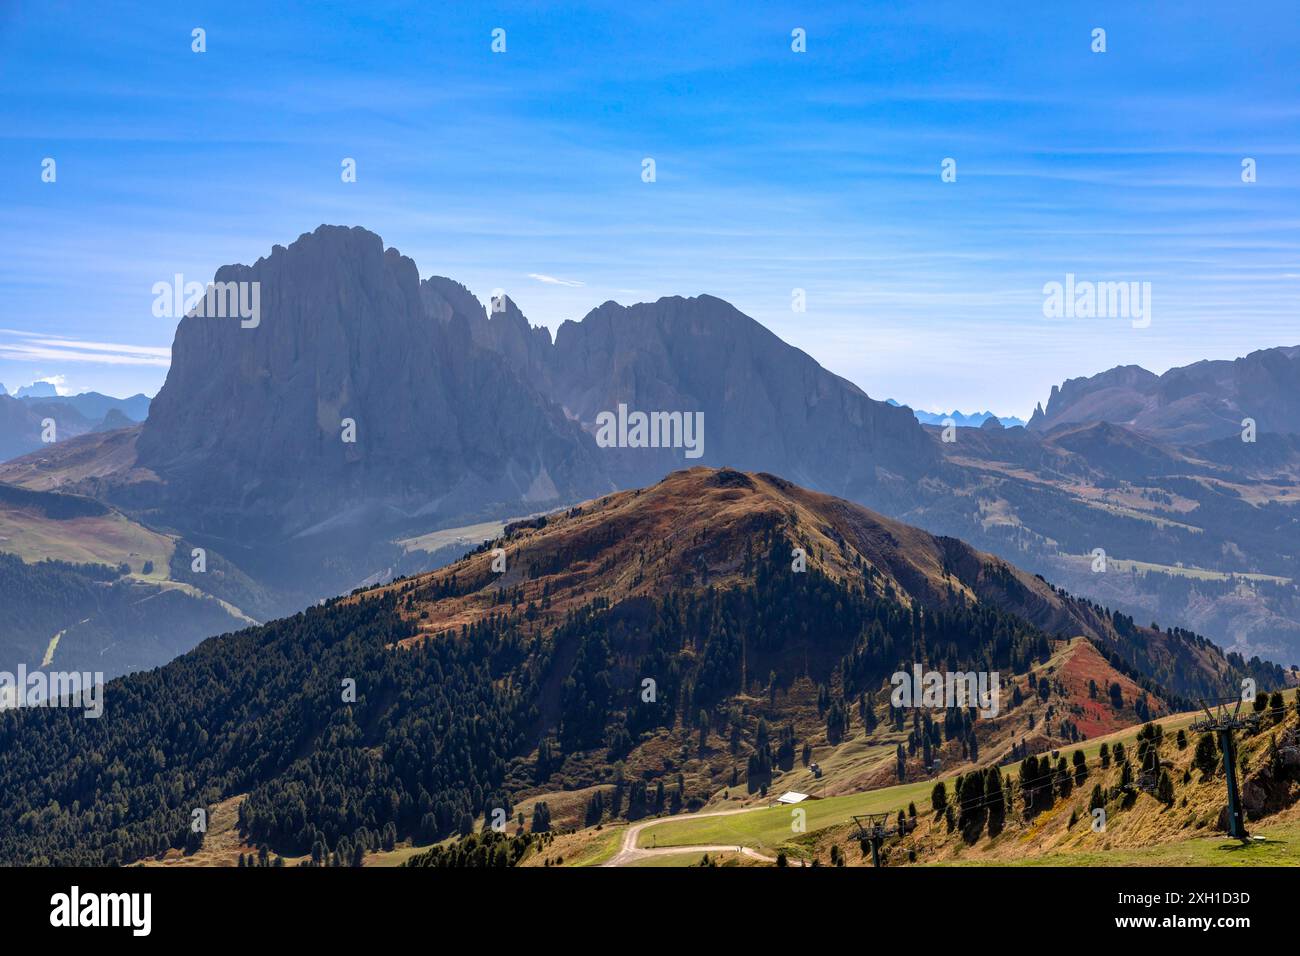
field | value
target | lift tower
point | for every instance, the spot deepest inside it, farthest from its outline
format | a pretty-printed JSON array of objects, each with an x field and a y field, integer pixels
[
  {"x": 1222, "y": 724},
  {"x": 874, "y": 828}
]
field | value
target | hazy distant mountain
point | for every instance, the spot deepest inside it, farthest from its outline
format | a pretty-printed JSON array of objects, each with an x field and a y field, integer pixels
[
  {"x": 22, "y": 420},
  {"x": 20, "y": 430},
  {"x": 960, "y": 419},
  {"x": 37, "y": 390},
  {"x": 22, "y": 424},
  {"x": 115, "y": 419},
  {"x": 1195, "y": 403},
  {"x": 765, "y": 403},
  {"x": 94, "y": 406},
  {"x": 1200, "y": 536}
]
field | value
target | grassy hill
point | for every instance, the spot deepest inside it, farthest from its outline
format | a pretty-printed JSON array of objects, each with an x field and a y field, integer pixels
[
  {"x": 1140, "y": 828},
  {"x": 40, "y": 526}
]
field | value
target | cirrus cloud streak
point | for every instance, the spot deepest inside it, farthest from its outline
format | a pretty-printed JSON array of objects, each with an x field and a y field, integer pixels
[{"x": 35, "y": 347}]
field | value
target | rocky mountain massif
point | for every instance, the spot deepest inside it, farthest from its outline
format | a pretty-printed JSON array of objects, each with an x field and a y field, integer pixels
[
  {"x": 764, "y": 403},
  {"x": 441, "y": 429},
  {"x": 365, "y": 406}
]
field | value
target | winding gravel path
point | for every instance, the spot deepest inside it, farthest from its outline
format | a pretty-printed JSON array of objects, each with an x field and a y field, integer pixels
[{"x": 629, "y": 852}]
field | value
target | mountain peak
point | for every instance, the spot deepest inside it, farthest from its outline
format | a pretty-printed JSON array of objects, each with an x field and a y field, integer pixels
[
  {"x": 693, "y": 528},
  {"x": 346, "y": 402},
  {"x": 37, "y": 390}
]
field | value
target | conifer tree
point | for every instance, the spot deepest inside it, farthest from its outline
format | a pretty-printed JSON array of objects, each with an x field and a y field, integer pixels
[
  {"x": 939, "y": 798},
  {"x": 1165, "y": 789},
  {"x": 1206, "y": 757}
]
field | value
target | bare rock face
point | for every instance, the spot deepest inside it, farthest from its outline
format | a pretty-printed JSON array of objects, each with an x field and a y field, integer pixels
[
  {"x": 503, "y": 330},
  {"x": 249, "y": 432},
  {"x": 764, "y": 404},
  {"x": 1193, "y": 404}
]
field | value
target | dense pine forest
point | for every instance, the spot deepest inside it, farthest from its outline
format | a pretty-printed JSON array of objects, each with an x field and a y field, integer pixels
[
  {"x": 102, "y": 605},
  {"x": 262, "y": 712}
]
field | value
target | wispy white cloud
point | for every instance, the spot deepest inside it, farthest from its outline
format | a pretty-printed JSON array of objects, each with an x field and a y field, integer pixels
[
  {"x": 552, "y": 280},
  {"x": 32, "y": 347}
]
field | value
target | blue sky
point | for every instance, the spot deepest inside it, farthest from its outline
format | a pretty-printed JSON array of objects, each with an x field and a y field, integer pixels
[{"x": 775, "y": 171}]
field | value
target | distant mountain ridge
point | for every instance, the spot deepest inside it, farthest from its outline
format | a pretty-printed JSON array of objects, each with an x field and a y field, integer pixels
[
  {"x": 1192, "y": 404},
  {"x": 960, "y": 419},
  {"x": 97, "y": 406},
  {"x": 22, "y": 419},
  {"x": 37, "y": 390}
]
